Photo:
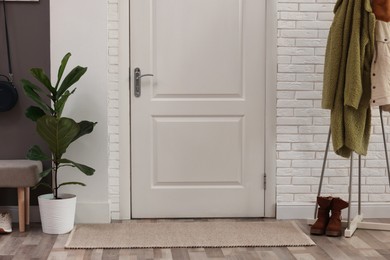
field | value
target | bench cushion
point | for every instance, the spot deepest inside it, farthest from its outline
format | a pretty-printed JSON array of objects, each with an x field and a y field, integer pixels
[{"x": 19, "y": 173}]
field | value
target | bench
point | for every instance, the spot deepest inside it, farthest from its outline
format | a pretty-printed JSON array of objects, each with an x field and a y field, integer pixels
[{"x": 20, "y": 174}]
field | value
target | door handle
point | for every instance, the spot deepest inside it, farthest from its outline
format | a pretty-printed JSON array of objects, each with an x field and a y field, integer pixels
[{"x": 137, "y": 81}]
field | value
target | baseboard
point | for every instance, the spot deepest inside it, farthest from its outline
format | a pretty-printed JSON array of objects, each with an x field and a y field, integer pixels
[
  {"x": 91, "y": 212},
  {"x": 34, "y": 213},
  {"x": 306, "y": 210}
]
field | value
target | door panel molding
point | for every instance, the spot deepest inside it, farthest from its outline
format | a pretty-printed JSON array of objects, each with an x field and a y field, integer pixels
[
  {"x": 197, "y": 132},
  {"x": 221, "y": 61}
]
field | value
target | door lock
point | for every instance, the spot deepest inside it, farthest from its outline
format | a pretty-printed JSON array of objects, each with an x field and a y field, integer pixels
[{"x": 137, "y": 81}]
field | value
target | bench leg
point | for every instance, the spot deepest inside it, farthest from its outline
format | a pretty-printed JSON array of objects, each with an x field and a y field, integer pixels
[
  {"x": 27, "y": 204},
  {"x": 21, "y": 209}
]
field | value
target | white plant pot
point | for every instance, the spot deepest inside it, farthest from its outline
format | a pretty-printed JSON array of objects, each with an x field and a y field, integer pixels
[{"x": 57, "y": 215}]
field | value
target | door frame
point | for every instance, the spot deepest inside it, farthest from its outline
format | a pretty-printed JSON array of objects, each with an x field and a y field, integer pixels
[{"x": 124, "y": 110}]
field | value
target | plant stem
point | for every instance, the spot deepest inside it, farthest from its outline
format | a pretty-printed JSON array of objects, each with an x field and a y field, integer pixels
[{"x": 55, "y": 190}]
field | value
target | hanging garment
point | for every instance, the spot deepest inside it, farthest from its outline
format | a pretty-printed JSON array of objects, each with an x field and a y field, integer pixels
[
  {"x": 380, "y": 68},
  {"x": 347, "y": 83}
]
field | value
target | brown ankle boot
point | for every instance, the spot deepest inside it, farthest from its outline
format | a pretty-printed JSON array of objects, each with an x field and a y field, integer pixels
[
  {"x": 334, "y": 226},
  {"x": 319, "y": 226}
]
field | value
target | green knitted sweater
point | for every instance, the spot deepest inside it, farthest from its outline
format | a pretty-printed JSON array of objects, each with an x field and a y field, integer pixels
[{"x": 347, "y": 83}]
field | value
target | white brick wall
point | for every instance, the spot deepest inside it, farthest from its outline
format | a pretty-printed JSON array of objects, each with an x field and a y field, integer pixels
[
  {"x": 113, "y": 106},
  {"x": 302, "y": 125}
]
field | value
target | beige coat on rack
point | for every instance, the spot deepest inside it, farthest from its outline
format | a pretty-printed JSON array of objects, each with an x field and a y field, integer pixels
[{"x": 380, "y": 69}]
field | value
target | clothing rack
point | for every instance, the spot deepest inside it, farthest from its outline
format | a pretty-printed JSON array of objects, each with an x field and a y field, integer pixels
[{"x": 357, "y": 222}]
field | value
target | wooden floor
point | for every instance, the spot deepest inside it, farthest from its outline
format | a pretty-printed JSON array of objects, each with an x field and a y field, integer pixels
[{"x": 34, "y": 244}]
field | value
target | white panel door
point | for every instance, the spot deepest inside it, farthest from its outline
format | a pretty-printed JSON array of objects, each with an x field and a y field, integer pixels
[{"x": 197, "y": 129}]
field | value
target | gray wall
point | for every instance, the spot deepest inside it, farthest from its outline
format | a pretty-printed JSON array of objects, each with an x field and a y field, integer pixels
[{"x": 29, "y": 30}]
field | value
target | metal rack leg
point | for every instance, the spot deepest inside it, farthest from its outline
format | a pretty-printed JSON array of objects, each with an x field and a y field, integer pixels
[
  {"x": 384, "y": 143},
  {"x": 360, "y": 187},
  {"x": 350, "y": 191},
  {"x": 322, "y": 172}
]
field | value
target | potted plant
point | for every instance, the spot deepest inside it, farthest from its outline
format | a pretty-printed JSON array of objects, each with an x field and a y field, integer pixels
[{"x": 57, "y": 210}]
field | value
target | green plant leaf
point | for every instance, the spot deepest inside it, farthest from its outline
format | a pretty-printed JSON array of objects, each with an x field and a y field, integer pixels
[
  {"x": 45, "y": 173},
  {"x": 86, "y": 127},
  {"x": 60, "y": 104},
  {"x": 62, "y": 68},
  {"x": 84, "y": 168},
  {"x": 70, "y": 79},
  {"x": 36, "y": 154},
  {"x": 40, "y": 75},
  {"x": 31, "y": 85},
  {"x": 71, "y": 183},
  {"x": 58, "y": 133},
  {"x": 34, "y": 113},
  {"x": 31, "y": 91}
]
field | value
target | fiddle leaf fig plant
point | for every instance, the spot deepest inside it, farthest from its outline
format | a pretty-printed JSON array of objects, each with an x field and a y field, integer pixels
[{"x": 57, "y": 131}]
